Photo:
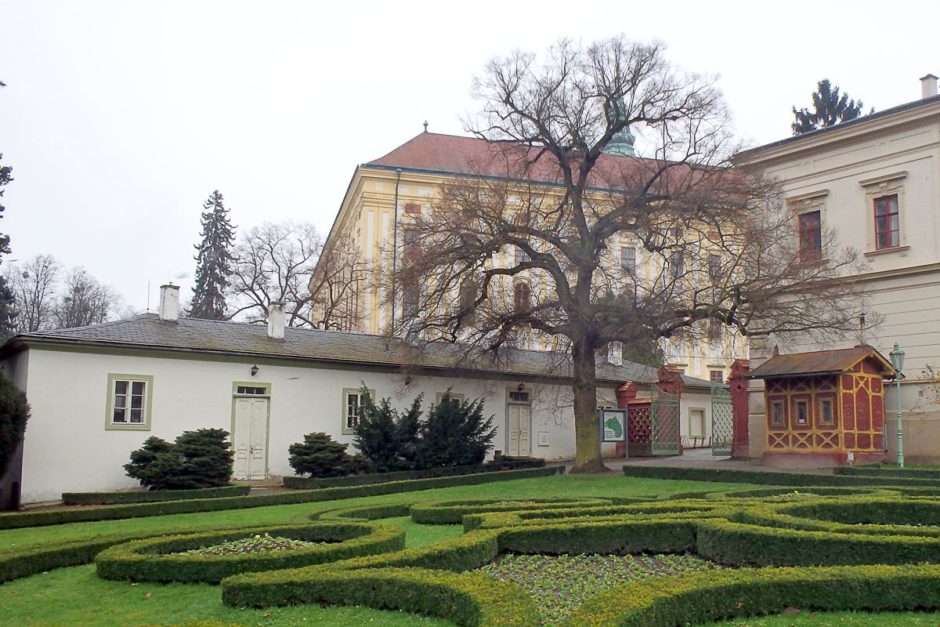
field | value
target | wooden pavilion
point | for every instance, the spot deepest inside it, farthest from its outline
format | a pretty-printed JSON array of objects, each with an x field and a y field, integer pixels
[{"x": 826, "y": 404}]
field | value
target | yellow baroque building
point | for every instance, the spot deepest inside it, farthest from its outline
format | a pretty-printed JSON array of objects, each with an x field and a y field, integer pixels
[{"x": 384, "y": 194}]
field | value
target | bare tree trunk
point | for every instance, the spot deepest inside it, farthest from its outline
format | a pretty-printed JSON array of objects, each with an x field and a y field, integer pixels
[{"x": 587, "y": 433}]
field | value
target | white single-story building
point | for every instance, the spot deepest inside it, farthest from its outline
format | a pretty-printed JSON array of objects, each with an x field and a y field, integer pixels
[{"x": 98, "y": 392}]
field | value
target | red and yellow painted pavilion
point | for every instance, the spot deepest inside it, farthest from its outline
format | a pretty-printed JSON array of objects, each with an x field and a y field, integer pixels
[{"x": 825, "y": 404}]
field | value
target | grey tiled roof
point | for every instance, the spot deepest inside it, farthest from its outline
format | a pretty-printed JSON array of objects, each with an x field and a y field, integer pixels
[{"x": 148, "y": 332}]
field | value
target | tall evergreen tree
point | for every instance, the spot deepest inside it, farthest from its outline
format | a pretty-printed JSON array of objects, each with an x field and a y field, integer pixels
[
  {"x": 6, "y": 294},
  {"x": 829, "y": 108},
  {"x": 213, "y": 261}
]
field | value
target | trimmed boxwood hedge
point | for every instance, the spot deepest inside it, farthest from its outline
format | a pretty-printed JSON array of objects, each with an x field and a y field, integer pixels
[
  {"x": 888, "y": 471},
  {"x": 506, "y": 463},
  {"x": 747, "y": 544},
  {"x": 452, "y": 512},
  {"x": 160, "y": 559},
  {"x": 151, "y": 496},
  {"x": 729, "y": 475},
  {"x": 114, "y": 512},
  {"x": 719, "y": 595},
  {"x": 466, "y": 599}
]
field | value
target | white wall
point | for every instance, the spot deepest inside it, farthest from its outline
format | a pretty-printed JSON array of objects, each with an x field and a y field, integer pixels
[{"x": 67, "y": 447}]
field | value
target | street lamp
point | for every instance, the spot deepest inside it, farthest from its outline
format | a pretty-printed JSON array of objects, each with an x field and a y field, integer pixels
[{"x": 897, "y": 360}]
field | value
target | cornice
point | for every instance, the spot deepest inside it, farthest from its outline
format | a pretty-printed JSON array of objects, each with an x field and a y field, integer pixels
[{"x": 853, "y": 136}]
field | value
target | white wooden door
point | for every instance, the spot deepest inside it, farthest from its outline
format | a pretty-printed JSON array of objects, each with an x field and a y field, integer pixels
[
  {"x": 518, "y": 441},
  {"x": 250, "y": 438}
]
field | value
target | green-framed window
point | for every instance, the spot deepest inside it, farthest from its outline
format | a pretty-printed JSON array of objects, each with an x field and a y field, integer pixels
[
  {"x": 352, "y": 406},
  {"x": 129, "y": 402}
]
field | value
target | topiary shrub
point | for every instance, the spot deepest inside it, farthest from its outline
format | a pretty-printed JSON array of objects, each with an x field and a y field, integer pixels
[
  {"x": 197, "y": 459},
  {"x": 385, "y": 437},
  {"x": 319, "y": 456},
  {"x": 14, "y": 412},
  {"x": 454, "y": 434}
]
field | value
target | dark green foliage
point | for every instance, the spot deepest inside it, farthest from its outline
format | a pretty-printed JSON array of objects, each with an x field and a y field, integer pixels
[
  {"x": 151, "y": 496},
  {"x": 213, "y": 261},
  {"x": 319, "y": 456},
  {"x": 161, "y": 559},
  {"x": 6, "y": 294},
  {"x": 14, "y": 412},
  {"x": 768, "y": 478},
  {"x": 506, "y": 463},
  {"x": 145, "y": 465},
  {"x": 197, "y": 459},
  {"x": 888, "y": 471},
  {"x": 452, "y": 513},
  {"x": 377, "y": 434},
  {"x": 454, "y": 434},
  {"x": 116, "y": 512},
  {"x": 719, "y": 595},
  {"x": 829, "y": 108},
  {"x": 466, "y": 599}
]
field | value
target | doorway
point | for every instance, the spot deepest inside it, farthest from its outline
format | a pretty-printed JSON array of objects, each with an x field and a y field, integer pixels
[
  {"x": 518, "y": 425},
  {"x": 250, "y": 414}
]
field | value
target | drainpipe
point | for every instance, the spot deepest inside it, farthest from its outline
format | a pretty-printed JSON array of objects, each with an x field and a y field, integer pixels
[{"x": 395, "y": 247}]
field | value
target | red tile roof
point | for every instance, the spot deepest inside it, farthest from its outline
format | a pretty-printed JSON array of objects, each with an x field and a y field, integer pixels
[
  {"x": 819, "y": 362},
  {"x": 474, "y": 156}
]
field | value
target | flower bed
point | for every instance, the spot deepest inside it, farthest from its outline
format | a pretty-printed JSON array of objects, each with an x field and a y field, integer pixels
[
  {"x": 559, "y": 584},
  {"x": 185, "y": 558}
]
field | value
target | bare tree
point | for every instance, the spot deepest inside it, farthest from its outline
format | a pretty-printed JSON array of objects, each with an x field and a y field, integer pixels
[
  {"x": 34, "y": 284},
  {"x": 340, "y": 275},
  {"x": 528, "y": 255},
  {"x": 84, "y": 301},
  {"x": 273, "y": 263}
]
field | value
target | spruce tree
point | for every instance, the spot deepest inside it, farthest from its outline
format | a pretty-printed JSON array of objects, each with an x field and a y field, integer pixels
[
  {"x": 213, "y": 261},
  {"x": 6, "y": 294},
  {"x": 829, "y": 108}
]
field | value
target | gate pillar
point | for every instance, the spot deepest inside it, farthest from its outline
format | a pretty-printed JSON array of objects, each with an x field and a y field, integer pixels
[
  {"x": 739, "y": 384},
  {"x": 625, "y": 393}
]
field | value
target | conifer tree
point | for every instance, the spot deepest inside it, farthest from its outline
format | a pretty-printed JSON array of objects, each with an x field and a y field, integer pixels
[
  {"x": 6, "y": 294},
  {"x": 213, "y": 261},
  {"x": 830, "y": 107}
]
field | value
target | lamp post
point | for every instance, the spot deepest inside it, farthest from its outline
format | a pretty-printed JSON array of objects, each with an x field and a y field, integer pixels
[{"x": 897, "y": 360}]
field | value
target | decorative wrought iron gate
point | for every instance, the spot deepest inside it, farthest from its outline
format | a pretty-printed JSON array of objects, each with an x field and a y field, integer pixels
[
  {"x": 665, "y": 418},
  {"x": 722, "y": 421},
  {"x": 639, "y": 430}
]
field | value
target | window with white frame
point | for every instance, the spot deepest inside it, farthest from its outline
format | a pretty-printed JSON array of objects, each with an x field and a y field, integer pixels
[
  {"x": 129, "y": 402},
  {"x": 885, "y": 198},
  {"x": 352, "y": 407},
  {"x": 455, "y": 398}
]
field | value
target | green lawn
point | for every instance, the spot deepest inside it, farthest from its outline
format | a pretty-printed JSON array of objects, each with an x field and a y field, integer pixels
[{"x": 76, "y": 596}]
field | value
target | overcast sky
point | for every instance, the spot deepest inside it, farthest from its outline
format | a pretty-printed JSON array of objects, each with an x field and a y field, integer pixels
[{"x": 119, "y": 118}]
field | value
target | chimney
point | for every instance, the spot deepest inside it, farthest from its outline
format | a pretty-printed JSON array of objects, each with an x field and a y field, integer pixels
[
  {"x": 615, "y": 353},
  {"x": 276, "y": 321},
  {"x": 169, "y": 302},
  {"x": 928, "y": 86}
]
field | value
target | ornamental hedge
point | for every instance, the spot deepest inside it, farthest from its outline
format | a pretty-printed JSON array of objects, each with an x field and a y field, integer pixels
[
  {"x": 165, "y": 559},
  {"x": 115, "y": 512},
  {"x": 709, "y": 527},
  {"x": 151, "y": 496},
  {"x": 465, "y": 599},
  {"x": 729, "y": 475},
  {"x": 888, "y": 471},
  {"x": 721, "y": 595},
  {"x": 452, "y": 512},
  {"x": 505, "y": 463}
]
